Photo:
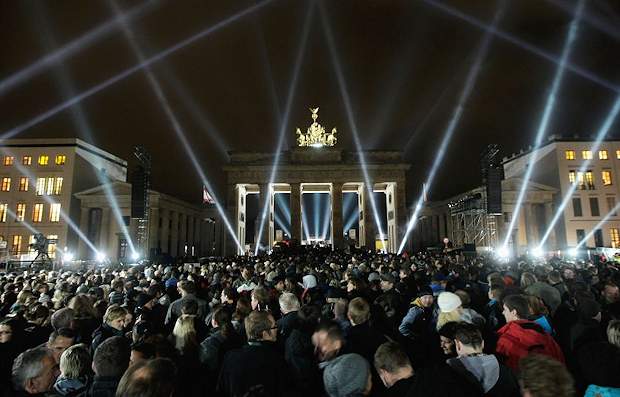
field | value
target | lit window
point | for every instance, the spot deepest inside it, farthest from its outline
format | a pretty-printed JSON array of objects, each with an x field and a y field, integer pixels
[
  {"x": 58, "y": 186},
  {"x": 6, "y": 184},
  {"x": 27, "y": 160},
  {"x": 51, "y": 247},
  {"x": 570, "y": 155},
  {"x": 44, "y": 160},
  {"x": 571, "y": 177},
  {"x": 17, "y": 243},
  {"x": 602, "y": 155},
  {"x": 50, "y": 186},
  {"x": 20, "y": 214},
  {"x": 8, "y": 160},
  {"x": 589, "y": 180},
  {"x": 40, "y": 186},
  {"x": 37, "y": 213},
  {"x": 55, "y": 212},
  {"x": 31, "y": 242},
  {"x": 23, "y": 184},
  {"x": 3, "y": 210},
  {"x": 586, "y": 154},
  {"x": 606, "y": 175},
  {"x": 61, "y": 159},
  {"x": 615, "y": 237},
  {"x": 618, "y": 154}
]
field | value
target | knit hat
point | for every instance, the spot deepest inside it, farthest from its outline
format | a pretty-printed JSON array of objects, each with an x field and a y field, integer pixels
[
  {"x": 346, "y": 375},
  {"x": 171, "y": 282},
  {"x": 424, "y": 290},
  {"x": 374, "y": 276},
  {"x": 448, "y": 302},
  {"x": 143, "y": 299},
  {"x": 389, "y": 277},
  {"x": 309, "y": 281}
]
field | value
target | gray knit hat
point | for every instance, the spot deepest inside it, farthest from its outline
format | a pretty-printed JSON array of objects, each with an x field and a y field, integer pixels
[{"x": 346, "y": 375}]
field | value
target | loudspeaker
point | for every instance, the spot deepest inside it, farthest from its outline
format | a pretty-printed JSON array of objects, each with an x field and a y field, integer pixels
[
  {"x": 139, "y": 187},
  {"x": 494, "y": 190}
]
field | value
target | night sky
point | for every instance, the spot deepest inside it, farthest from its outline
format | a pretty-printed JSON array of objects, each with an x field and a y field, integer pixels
[{"x": 404, "y": 62}]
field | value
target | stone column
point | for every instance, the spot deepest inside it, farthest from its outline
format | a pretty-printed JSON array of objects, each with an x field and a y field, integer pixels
[
  {"x": 402, "y": 215},
  {"x": 182, "y": 233},
  {"x": 190, "y": 233},
  {"x": 174, "y": 233},
  {"x": 154, "y": 232},
  {"x": 83, "y": 249},
  {"x": 337, "y": 237},
  {"x": 530, "y": 225},
  {"x": 369, "y": 220},
  {"x": 296, "y": 212},
  {"x": 165, "y": 230},
  {"x": 104, "y": 231},
  {"x": 552, "y": 242},
  {"x": 263, "y": 201}
]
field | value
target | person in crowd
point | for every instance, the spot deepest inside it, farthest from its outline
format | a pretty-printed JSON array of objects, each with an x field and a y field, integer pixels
[
  {"x": 113, "y": 325},
  {"x": 63, "y": 318},
  {"x": 34, "y": 371},
  {"x": 256, "y": 367},
  {"x": 541, "y": 376},
  {"x": 493, "y": 309},
  {"x": 446, "y": 340},
  {"x": 347, "y": 375},
  {"x": 59, "y": 341},
  {"x": 10, "y": 346},
  {"x": 520, "y": 337},
  {"x": 223, "y": 338},
  {"x": 75, "y": 367},
  {"x": 451, "y": 309},
  {"x": 484, "y": 370},
  {"x": 149, "y": 378},
  {"x": 85, "y": 319},
  {"x": 328, "y": 340},
  {"x": 110, "y": 361},
  {"x": 260, "y": 299},
  {"x": 394, "y": 369},
  {"x": 289, "y": 306},
  {"x": 37, "y": 329},
  {"x": 363, "y": 338},
  {"x": 418, "y": 320},
  {"x": 299, "y": 351},
  {"x": 613, "y": 333},
  {"x": 141, "y": 351},
  {"x": 540, "y": 314},
  {"x": 187, "y": 290}
]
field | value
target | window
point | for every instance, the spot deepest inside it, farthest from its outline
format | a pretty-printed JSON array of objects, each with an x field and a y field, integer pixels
[
  {"x": 571, "y": 177},
  {"x": 61, "y": 159},
  {"x": 58, "y": 185},
  {"x": 51, "y": 247},
  {"x": 55, "y": 212},
  {"x": 615, "y": 237},
  {"x": 598, "y": 238},
  {"x": 23, "y": 184},
  {"x": 31, "y": 241},
  {"x": 588, "y": 180},
  {"x": 20, "y": 214},
  {"x": 618, "y": 154},
  {"x": 27, "y": 160},
  {"x": 577, "y": 207},
  {"x": 44, "y": 160},
  {"x": 570, "y": 155},
  {"x": 6, "y": 184},
  {"x": 17, "y": 242},
  {"x": 3, "y": 210},
  {"x": 594, "y": 206},
  {"x": 586, "y": 154},
  {"x": 611, "y": 205},
  {"x": 602, "y": 155},
  {"x": 581, "y": 235},
  {"x": 8, "y": 160},
  {"x": 40, "y": 186},
  {"x": 606, "y": 176},
  {"x": 37, "y": 213},
  {"x": 50, "y": 186}
]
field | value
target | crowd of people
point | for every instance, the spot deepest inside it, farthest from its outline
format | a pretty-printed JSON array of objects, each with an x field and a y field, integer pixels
[{"x": 315, "y": 322}]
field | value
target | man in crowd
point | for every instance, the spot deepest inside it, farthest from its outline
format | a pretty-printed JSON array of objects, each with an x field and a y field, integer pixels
[
  {"x": 110, "y": 361},
  {"x": 394, "y": 369},
  {"x": 35, "y": 371},
  {"x": 188, "y": 292},
  {"x": 59, "y": 341}
]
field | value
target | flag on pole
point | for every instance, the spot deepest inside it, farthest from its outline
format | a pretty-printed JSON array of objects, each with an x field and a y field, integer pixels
[{"x": 206, "y": 197}]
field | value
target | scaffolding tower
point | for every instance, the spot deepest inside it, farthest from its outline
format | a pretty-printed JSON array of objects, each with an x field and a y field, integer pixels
[{"x": 471, "y": 224}]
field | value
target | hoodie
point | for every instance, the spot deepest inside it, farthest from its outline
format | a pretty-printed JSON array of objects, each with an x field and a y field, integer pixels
[
  {"x": 484, "y": 371},
  {"x": 67, "y": 386}
]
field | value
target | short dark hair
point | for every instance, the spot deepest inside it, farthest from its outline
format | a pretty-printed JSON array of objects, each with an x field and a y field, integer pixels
[
  {"x": 545, "y": 377},
  {"x": 190, "y": 306},
  {"x": 519, "y": 303},
  {"x": 390, "y": 357},
  {"x": 332, "y": 328},
  {"x": 147, "y": 349},
  {"x": 187, "y": 286},
  {"x": 111, "y": 357},
  {"x": 256, "y": 323},
  {"x": 468, "y": 335},
  {"x": 151, "y": 378},
  {"x": 64, "y": 332}
]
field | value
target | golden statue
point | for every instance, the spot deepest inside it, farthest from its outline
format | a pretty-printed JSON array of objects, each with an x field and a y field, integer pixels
[{"x": 316, "y": 135}]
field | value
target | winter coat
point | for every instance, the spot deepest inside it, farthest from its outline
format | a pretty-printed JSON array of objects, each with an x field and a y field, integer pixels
[
  {"x": 519, "y": 338},
  {"x": 364, "y": 340},
  {"x": 70, "y": 387},
  {"x": 286, "y": 324},
  {"x": 493, "y": 314},
  {"x": 101, "y": 386},
  {"x": 299, "y": 355},
  {"x": 174, "y": 310},
  {"x": 442, "y": 381},
  {"x": 484, "y": 371},
  {"x": 417, "y": 321},
  {"x": 256, "y": 366},
  {"x": 102, "y": 333},
  {"x": 214, "y": 348}
]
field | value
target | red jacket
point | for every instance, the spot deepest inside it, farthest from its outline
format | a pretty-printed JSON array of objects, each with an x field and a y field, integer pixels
[{"x": 519, "y": 338}]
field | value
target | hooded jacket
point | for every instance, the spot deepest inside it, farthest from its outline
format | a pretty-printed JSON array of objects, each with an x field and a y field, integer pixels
[
  {"x": 417, "y": 320},
  {"x": 519, "y": 338},
  {"x": 484, "y": 371}
]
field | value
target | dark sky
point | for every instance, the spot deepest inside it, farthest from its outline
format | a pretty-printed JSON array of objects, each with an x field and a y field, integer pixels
[{"x": 398, "y": 58}]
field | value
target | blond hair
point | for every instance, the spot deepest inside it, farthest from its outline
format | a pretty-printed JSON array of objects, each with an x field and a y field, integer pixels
[
  {"x": 114, "y": 312},
  {"x": 184, "y": 333},
  {"x": 453, "y": 316}
]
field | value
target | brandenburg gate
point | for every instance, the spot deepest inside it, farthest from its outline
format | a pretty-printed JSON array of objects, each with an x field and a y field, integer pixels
[{"x": 315, "y": 165}]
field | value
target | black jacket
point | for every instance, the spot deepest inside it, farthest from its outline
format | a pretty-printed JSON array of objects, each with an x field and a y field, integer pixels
[
  {"x": 102, "y": 333},
  {"x": 101, "y": 386},
  {"x": 485, "y": 372},
  {"x": 299, "y": 355},
  {"x": 286, "y": 324},
  {"x": 256, "y": 366}
]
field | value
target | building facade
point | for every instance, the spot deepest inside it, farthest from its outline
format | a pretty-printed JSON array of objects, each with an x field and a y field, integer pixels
[
  {"x": 176, "y": 228},
  {"x": 38, "y": 179}
]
